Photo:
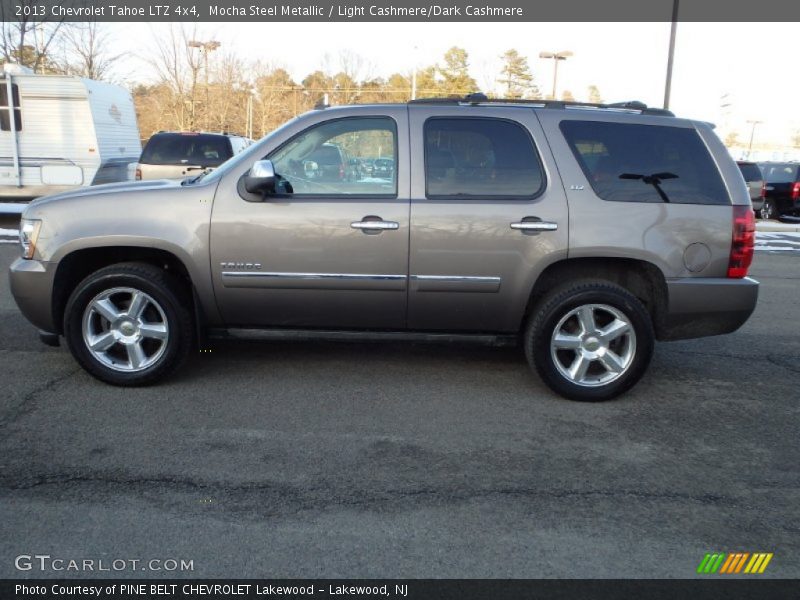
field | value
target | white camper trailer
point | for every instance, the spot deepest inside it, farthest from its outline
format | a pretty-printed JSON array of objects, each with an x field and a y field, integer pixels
[{"x": 59, "y": 132}]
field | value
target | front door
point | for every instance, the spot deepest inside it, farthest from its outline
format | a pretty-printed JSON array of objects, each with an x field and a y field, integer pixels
[
  {"x": 330, "y": 250},
  {"x": 488, "y": 214}
]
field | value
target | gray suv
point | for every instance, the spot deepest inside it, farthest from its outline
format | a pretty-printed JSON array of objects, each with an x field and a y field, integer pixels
[{"x": 585, "y": 232}]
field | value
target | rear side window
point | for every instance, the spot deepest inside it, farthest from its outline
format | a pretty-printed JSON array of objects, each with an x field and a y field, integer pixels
[
  {"x": 480, "y": 158},
  {"x": 627, "y": 162},
  {"x": 5, "y": 108},
  {"x": 751, "y": 172},
  {"x": 186, "y": 149},
  {"x": 780, "y": 173}
]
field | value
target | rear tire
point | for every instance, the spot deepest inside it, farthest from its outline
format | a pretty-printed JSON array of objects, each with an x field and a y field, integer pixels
[
  {"x": 769, "y": 210},
  {"x": 128, "y": 324},
  {"x": 589, "y": 340}
]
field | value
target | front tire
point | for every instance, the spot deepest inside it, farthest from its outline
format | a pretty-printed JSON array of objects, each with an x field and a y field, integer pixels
[
  {"x": 590, "y": 340},
  {"x": 128, "y": 324}
]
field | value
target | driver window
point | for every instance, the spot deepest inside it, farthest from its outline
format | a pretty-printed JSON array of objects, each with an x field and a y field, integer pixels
[{"x": 344, "y": 157}]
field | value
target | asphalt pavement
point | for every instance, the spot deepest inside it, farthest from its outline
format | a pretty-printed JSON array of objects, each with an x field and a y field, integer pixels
[{"x": 405, "y": 460}]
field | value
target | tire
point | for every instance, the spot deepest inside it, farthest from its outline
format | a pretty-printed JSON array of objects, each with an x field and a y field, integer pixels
[
  {"x": 130, "y": 349},
  {"x": 769, "y": 210},
  {"x": 565, "y": 311}
]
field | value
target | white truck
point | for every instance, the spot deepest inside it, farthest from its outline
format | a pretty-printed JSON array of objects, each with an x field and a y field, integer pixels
[{"x": 61, "y": 132}]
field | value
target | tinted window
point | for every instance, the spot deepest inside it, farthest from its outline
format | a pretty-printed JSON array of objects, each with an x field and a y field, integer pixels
[
  {"x": 317, "y": 163},
  {"x": 645, "y": 163},
  {"x": 780, "y": 173},
  {"x": 186, "y": 149},
  {"x": 5, "y": 117},
  {"x": 750, "y": 172},
  {"x": 480, "y": 158}
]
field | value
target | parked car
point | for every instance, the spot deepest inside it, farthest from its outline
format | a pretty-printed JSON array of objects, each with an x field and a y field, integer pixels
[
  {"x": 383, "y": 167},
  {"x": 329, "y": 162},
  {"x": 781, "y": 191},
  {"x": 755, "y": 183},
  {"x": 585, "y": 234},
  {"x": 178, "y": 154}
]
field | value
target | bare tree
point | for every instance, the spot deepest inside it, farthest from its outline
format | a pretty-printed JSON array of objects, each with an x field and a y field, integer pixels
[
  {"x": 86, "y": 51},
  {"x": 178, "y": 68},
  {"x": 27, "y": 42}
]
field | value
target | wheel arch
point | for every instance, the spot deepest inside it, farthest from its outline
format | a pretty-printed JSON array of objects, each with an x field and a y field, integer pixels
[{"x": 643, "y": 279}]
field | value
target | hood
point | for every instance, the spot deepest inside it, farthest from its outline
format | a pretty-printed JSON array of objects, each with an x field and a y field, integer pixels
[{"x": 95, "y": 190}]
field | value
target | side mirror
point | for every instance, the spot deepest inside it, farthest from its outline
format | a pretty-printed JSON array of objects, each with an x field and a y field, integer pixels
[{"x": 261, "y": 178}]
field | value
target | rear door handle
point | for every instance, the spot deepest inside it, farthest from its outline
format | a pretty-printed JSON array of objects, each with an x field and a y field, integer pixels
[{"x": 536, "y": 225}]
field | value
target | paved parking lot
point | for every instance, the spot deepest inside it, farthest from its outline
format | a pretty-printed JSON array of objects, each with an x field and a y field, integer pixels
[{"x": 383, "y": 460}]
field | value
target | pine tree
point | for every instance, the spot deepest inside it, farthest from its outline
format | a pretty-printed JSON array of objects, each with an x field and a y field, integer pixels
[
  {"x": 455, "y": 75},
  {"x": 594, "y": 95},
  {"x": 516, "y": 76}
]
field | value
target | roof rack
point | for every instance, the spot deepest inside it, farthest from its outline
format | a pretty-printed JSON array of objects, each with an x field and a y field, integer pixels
[{"x": 478, "y": 99}]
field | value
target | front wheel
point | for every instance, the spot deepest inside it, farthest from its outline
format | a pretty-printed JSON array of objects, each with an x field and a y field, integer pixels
[
  {"x": 590, "y": 340},
  {"x": 128, "y": 324}
]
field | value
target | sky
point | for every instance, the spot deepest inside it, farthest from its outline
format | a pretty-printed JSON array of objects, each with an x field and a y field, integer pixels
[{"x": 716, "y": 64}]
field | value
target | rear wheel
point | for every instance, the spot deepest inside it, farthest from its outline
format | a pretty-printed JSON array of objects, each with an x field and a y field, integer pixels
[
  {"x": 590, "y": 340},
  {"x": 128, "y": 324},
  {"x": 769, "y": 210}
]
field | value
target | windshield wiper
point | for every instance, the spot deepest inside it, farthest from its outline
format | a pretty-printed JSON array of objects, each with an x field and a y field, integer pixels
[{"x": 655, "y": 180}]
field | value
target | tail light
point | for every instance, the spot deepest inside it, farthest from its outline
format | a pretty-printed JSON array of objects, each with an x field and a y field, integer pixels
[
  {"x": 138, "y": 174},
  {"x": 744, "y": 237},
  {"x": 763, "y": 190},
  {"x": 341, "y": 171},
  {"x": 796, "y": 190}
]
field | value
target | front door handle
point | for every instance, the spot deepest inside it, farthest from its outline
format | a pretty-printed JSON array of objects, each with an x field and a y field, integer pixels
[
  {"x": 534, "y": 224},
  {"x": 375, "y": 224}
]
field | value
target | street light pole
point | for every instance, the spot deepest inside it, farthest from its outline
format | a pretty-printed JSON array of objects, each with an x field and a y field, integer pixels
[
  {"x": 205, "y": 48},
  {"x": 556, "y": 56},
  {"x": 752, "y": 134},
  {"x": 671, "y": 53}
]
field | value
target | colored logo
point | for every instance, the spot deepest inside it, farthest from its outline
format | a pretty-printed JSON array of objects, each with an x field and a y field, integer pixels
[{"x": 734, "y": 562}]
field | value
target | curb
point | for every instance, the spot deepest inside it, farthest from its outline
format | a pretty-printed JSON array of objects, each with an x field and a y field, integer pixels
[{"x": 773, "y": 226}]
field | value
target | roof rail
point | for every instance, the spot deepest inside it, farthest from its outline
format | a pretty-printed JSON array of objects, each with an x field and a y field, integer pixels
[{"x": 478, "y": 98}]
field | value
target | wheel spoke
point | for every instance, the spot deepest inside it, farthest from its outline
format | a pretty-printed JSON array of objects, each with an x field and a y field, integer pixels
[
  {"x": 138, "y": 303},
  {"x": 586, "y": 319},
  {"x": 106, "y": 309},
  {"x": 577, "y": 371},
  {"x": 136, "y": 355},
  {"x": 156, "y": 331},
  {"x": 611, "y": 361},
  {"x": 564, "y": 341},
  {"x": 614, "y": 330},
  {"x": 102, "y": 342}
]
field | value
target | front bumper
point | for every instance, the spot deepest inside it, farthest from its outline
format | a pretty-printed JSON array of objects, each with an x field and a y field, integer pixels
[
  {"x": 699, "y": 307},
  {"x": 32, "y": 287}
]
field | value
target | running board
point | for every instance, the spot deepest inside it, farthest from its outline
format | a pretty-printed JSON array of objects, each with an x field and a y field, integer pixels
[{"x": 328, "y": 335}]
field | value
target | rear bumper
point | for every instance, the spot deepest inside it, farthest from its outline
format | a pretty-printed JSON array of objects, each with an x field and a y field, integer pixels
[
  {"x": 699, "y": 307},
  {"x": 32, "y": 287}
]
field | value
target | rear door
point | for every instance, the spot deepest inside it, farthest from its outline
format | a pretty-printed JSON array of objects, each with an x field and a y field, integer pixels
[{"x": 488, "y": 214}]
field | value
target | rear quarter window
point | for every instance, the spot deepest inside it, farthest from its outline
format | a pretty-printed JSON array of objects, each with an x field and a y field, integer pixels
[{"x": 627, "y": 162}]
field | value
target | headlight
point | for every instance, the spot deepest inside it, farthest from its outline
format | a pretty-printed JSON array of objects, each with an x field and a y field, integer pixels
[{"x": 28, "y": 234}]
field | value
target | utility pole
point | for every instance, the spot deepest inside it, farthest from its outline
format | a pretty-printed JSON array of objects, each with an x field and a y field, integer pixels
[{"x": 205, "y": 48}]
